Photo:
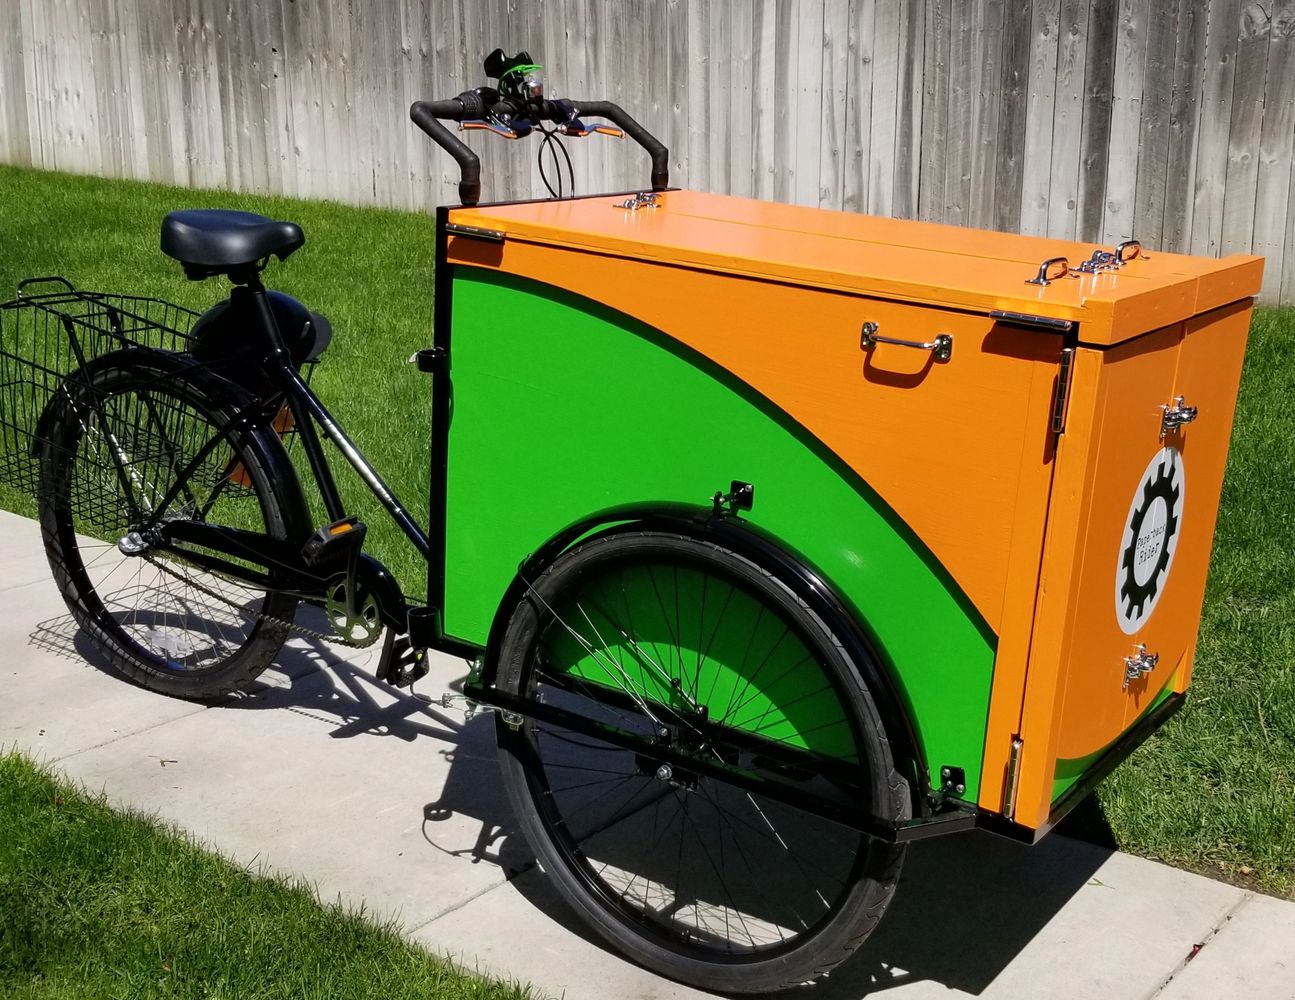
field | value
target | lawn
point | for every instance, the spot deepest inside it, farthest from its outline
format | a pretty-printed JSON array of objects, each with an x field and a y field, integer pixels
[
  {"x": 1214, "y": 791},
  {"x": 99, "y": 903}
]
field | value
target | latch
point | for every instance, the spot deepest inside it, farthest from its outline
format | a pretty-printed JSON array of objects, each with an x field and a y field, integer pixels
[
  {"x": 644, "y": 199},
  {"x": 1175, "y": 415},
  {"x": 1139, "y": 664}
]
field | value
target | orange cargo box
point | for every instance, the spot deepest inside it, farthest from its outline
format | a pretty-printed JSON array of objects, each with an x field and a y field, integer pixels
[{"x": 1056, "y": 441}]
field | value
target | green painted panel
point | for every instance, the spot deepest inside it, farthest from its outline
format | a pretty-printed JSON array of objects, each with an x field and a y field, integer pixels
[{"x": 563, "y": 407}]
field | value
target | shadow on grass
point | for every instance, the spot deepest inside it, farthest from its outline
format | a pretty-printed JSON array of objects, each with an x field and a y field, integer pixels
[{"x": 966, "y": 907}]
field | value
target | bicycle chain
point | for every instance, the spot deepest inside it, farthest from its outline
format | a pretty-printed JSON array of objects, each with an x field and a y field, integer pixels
[{"x": 332, "y": 637}]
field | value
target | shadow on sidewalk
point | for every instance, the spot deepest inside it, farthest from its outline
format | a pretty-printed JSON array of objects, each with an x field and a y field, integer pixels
[{"x": 966, "y": 906}]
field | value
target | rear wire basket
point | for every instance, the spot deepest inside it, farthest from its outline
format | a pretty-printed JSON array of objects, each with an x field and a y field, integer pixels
[{"x": 48, "y": 336}]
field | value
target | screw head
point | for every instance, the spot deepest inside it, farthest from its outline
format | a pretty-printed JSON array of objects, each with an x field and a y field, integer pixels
[
  {"x": 959, "y": 788},
  {"x": 945, "y": 772},
  {"x": 665, "y": 772}
]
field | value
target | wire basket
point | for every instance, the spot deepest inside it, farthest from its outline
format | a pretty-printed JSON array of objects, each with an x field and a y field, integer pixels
[{"x": 46, "y": 336}]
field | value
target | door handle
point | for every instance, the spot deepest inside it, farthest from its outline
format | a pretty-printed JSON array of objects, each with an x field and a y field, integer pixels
[{"x": 941, "y": 347}]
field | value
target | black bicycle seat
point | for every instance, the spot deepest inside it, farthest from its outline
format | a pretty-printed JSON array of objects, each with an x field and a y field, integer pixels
[{"x": 217, "y": 241}]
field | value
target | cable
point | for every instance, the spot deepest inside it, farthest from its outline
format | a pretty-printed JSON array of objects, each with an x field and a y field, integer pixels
[{"x": 552, "y": 139}]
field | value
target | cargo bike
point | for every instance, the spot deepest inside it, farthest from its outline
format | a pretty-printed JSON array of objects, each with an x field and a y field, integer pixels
[{"x": 776, "y": 538}]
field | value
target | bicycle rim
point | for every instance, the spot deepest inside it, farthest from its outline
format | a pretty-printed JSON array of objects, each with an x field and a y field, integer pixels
[{"x": 109, "y": 467}]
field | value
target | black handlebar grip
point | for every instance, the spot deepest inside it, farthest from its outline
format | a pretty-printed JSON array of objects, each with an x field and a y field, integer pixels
[
  {"x": 660, "y": 155},
  {"x": 426, "y": 115}
]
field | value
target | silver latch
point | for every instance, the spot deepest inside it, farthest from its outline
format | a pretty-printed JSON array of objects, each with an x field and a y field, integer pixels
[
  {"x": 1175, "y": 415},
  {"x": 1138, "y": 664},
  {"x": 644, "y": 199}
]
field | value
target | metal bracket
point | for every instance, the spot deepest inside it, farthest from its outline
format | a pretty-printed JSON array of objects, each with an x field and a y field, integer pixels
[
  {"x": 1138, "y": 664},
  {"x": 941, "y": 347},
  {"x": 1175, "y": 415},
  {"x": 953, "y": 781},
  {"x": 740, "y": 496}
]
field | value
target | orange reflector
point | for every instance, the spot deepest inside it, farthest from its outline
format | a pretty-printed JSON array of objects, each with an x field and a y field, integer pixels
[{"x": 339, "y": 529}]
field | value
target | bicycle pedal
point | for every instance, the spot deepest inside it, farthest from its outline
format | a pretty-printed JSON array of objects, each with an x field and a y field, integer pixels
[
  {"x": 334, "y": 541},
  {"x": 401, "y": 663}
]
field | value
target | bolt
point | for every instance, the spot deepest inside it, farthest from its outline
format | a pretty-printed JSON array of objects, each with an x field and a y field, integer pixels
[
  {"x": 665, "y": 772},
  {"x": 663, "y": 732},
  {"x": 945, "y": 772},
  {"x": 959, "y": 788}
]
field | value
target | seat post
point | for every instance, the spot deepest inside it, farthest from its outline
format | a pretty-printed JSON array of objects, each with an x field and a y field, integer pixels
[{"x": 251, "y": 279}]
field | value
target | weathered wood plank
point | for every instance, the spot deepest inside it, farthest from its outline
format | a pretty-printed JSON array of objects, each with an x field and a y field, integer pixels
[
  {"x": 1126, "y": 112},
  {"x": 736, "y": 100},
  {"x": 834, "y": 103},
  {"x": 1095, "y": 138},
  {"x": 1068, "y": 118},
  {"x": 1276, "y": 144},
  {"x": 1184, "y": 119},
  {"x": 1245, "y": 129},
  {"x": 16, "y": 140},
  {"x": 935, "y": 111},
  {"x": 987, "y": 103},
  {"x": 908, "y": 118},
  {"x": 857, "y": 158},
  {"x": 885, "y": 166},
  {"x": 1153, "y": 128},
  {"x": 803, "y": 159},
  {"x": 1221, "y": 41},
  {"x": 1040, "y": 116},
  {"x": 1010, "y": 172},
  {"x": 961, "y": 147}
]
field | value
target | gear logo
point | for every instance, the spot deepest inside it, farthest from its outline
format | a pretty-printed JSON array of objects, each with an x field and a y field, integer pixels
[{"x": 1150, "y": 539}]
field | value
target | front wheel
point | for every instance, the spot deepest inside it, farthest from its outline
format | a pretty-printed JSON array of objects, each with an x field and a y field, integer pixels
[{"x": 699, "y": 874}]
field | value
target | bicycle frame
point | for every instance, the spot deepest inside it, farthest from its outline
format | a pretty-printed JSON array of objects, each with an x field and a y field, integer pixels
[{"x": 287, "y": 567}]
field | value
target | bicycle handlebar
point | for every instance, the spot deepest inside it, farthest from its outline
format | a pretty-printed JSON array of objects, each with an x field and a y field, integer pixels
[{"x": 427, "y": 115}]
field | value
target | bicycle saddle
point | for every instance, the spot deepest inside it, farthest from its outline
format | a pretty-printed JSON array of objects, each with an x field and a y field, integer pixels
[{"x": 216, "y": 241}]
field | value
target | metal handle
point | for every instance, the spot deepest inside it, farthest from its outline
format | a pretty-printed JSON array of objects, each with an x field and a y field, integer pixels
[
  {"x": 1129, "y": 250},
  {"x": 941, "y": 346},
  {"x": 1042, "y": 278}
]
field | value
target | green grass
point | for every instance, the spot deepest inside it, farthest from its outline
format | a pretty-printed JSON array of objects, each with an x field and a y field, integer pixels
[
  {"x": 95, "y": 903},
  {"x": 1214, "y": 791}
]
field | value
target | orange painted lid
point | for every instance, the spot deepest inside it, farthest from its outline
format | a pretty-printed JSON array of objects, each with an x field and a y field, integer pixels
[{"x": 891, "y": 258}]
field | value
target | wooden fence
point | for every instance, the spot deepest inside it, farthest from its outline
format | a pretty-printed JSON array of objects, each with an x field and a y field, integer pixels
[{"x": 1093, "y": 119}]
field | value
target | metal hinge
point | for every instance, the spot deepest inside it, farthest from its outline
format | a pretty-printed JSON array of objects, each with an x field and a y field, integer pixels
[
  {"x": 474, "y": 232},
  {"x": 1013, "y": 778},
  {"x": 1061, "y": 399}
]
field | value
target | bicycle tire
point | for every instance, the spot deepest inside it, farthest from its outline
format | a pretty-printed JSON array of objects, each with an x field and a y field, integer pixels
[
  {"x": 797, "y": 893},
  {"x": 122, "y": 432}
]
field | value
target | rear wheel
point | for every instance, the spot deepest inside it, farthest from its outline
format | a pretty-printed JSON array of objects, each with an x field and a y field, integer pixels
[
  {"x": 710, "y": 876},
  {"x": 115, "y": 444}
]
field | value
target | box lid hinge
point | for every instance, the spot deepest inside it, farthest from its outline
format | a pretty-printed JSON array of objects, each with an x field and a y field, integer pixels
[{"x": 1061, "y": 396}]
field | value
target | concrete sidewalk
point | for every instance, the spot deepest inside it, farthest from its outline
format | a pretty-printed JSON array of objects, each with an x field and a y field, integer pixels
[{"x": 376, "y": 797}]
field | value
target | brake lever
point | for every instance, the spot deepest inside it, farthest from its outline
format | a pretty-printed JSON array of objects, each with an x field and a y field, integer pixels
[
  {"x": 497, "y": 129},
  {"x": 580, "y": 130}
]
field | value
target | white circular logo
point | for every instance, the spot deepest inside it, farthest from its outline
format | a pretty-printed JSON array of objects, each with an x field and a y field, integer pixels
[{"x": 1150, "y": 539}]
